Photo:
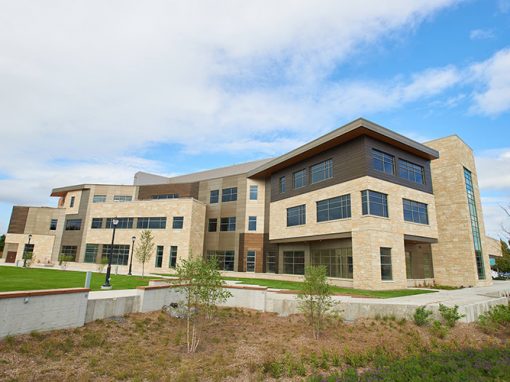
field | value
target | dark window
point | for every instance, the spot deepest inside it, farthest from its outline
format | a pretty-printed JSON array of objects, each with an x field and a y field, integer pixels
[
  {"x": 124, "y": 223},
  {"x": 214, "y": 197},
  {"x": 28, "y": 251},
  {"x": 271, "y": 262},
  {"x": 410, "y": 171},
  {"x": 374, "y": 203},
  {"x": 299, "y": 178},
  {"x": 178, "y": 222},
  {"x": 97, "y": 223},
  {"x": 213, "y": 225},
  {"x": 296, "y": 215},
  {"x": 252, "y": 223},
  {"x": 282, "y": 184},
  {"x": 73, "y": 225},
  {"x": 173, "y": 256},
  {"x": 229, "y": 194},
  {"x": 71, "y": 203},
  {"x": 334, "y": 208},
  {"x": 122, "y": 198},
  {"x": 338, "y": 261},
  {"x": 475, "y": 228},
  {"x": 53, "y": 224},
  {"x": 225, "y": 259},
  {"x": 159, "y": 256},
  {"x": 151, "y": 223},
  {"x": 228, "y": 224},
  {"x": 294, "y": 262},
  {"x": 91, "y": 251},
  {"x": 165, "y": 196},
  {"x": 386, "y": 272},
  {"x": 250, "y": 261},
  {"x": 415, "y": 212},
  {"x": 383, "y": 162},
  {"x": 68, "y": 253},
  {"x": 120, "y": 255},
  {"x": 322, "y": 171},
  {"x": 99, "y": 199},
  {"x": 254, "y": 190}
]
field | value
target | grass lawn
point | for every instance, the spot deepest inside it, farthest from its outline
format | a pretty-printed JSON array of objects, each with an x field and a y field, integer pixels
[{"x": 15, "y": 279}]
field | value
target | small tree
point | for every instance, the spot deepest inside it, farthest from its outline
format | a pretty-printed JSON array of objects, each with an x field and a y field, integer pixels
[
  {"x": 145, "y": 248},
  {"x": 102, "y": 263},
  {"x": 2, "y": 242},
  {"x": 503, "y": 262},
  {"x": 315, "y": 300}
]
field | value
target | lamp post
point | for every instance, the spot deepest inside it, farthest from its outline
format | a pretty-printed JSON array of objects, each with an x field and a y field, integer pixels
[
  {"x": 25, "y": 251},
  {"x": 106, "y": 284},
  {"x": 132, "y": 250}
]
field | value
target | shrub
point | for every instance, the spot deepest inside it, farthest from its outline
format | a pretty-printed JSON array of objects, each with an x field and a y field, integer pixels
[
  {"x": 496, "y": 318},
  {"x": 421, "y": 316},
  {"x": 438, "y": 329},
  {"x": 450, "y": 315}
]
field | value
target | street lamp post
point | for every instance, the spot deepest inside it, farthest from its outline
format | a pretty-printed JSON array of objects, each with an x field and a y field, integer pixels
[
  {"x": 132, "y": 250},
  {"x": 25, "y": 251},
  {"x": 106, "y": 284}
]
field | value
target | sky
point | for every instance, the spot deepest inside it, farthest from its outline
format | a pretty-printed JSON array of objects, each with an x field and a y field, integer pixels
[{"x": 93, "y": 91}]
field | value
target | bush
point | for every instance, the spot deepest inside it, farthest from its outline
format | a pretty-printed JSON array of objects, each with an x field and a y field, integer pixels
[
  {"x": 496, "y": 318},
  {"x": 450, "y": 315},
  {"x": 438, "y": 329},
  {"x": 422, "y": 316}
]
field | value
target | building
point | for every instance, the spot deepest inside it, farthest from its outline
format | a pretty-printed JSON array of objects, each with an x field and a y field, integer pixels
[{"x": 380, "y": 210}]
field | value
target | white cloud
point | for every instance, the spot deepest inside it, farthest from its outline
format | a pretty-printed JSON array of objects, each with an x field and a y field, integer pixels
[
  {"x": 481, "y": 34},
  {"x": 504, "y": 6}
]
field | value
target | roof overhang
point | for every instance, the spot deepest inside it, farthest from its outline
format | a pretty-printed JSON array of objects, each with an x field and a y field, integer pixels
[
  {"x": 420, "y": 239},
  {"x": 301, "y": 239},
  {"x": 61, "y": 191}
]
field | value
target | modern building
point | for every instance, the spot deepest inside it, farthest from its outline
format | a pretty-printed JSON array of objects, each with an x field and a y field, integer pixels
[{"x": 378, "y": 209}]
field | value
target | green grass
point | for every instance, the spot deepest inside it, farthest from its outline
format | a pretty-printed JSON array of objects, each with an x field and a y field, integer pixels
[{"x": 16, "y": 279}]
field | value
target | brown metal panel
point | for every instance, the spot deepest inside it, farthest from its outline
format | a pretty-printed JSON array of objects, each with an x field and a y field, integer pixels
[
  {"x": 255, "y": 242},
  {"x": 18, "y": 219},
  {"x": 183, "y": 189}
]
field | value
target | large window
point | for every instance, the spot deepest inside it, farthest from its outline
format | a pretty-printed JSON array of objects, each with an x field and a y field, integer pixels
[
  {"x": 178, "y": 222},
  {"x": 68, "y": 253},
  {"x": 124, "y": 223},
  {"x": 294, "y": 262},
  {"x": 475, "y": 228},
  {"x": 213, "y": 225},
  {"x": 165, "y": 196},
  {"x": 122, "y": 198},
  {"x": 282, "y": 185},
  {"x": 225, "y": 259},
  {"x": 214, "y": 196},
  {"x": 252, "y": 223},
  {"x": 374, "y": 203},
  {"x": 250, "y": 261},
  {"x": 91, "y": 251},
  {"x": 386, "y": 271},
  {"x": 228, "y": 224},
  {"x": 271, "y": 261},
  {"x": 383, "y": 162},
  {"x": 299, "y": 178},
  {"x": 99, "y": 199},
  {"x": 173, "y": 256},
  {"x": 229, "y": 194},
  {"x": 120, "y": 254},
  {"x": 73, "y": 224},
  {"x": 151, "y": 223},
  {"x": 96, "y": 223},
  {"x": 53, "y": 224},
  {"x": 254, "y": 191},
  {"x": 338, "y": 261},
  {"x": 296, "y": 215},
  {"x": 28, "y": 251},
  {"x": 410, "y": 171},
  {"x": 334, "y": 208},
  {"x": 159, "y": 256},
  {"x": 415, "y": 212},
  {"x": 322, "y": 171}
]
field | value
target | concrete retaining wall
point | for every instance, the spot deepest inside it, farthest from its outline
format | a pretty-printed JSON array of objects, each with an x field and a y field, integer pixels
[{"x": 101, "y": 308}]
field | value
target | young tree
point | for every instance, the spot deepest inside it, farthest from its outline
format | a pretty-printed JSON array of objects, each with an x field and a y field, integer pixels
[
  {"x": 145, "y": 248},
  {"x": 503, "y": 262},
  {"x": 2, "y": 243},
  {"x": 315, "y": 300}
]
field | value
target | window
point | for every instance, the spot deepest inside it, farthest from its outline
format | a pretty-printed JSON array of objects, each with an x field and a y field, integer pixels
[
  {"x": 334, "y": 208},
  {"x": 53, "y": 224},
  {"x": 338, "y": 261},
  {"x": 68, "y": 253},
  {"x": 178, "y": 222},
  {"x": 322, "y": 171},
  {"x": 73, "y": 225},
  {"x": 214, "y": 197},
  {"x": 229, "y": 194},
  {"x": 475, "y": 228},
  {"x": 296, "y": 215},
  {"x": 124, "y": 223},
  {"x": 28, "y": 251},
  {"x": 71, "y": 202},
  {"x": 271, "y": 262},
  {"x": 383, "y": 162},
  {"x": 294, "y": 262},
  {"x": 120, "y": 255},
  {"x": 228, "y": 224},
  {"x": 91, "y": 251},
  {"x": 225, "y": 259},
  {"x": 99, "y": 199},
  {"x": 213, "y": 225},
  {"x": 299, "y": 178},
  {"x": 252, "y": 223},
  {"x": 386, "y": 273},
  {"x": 122, "y": 198},
  {"x": 415, "y": 212},
  {"x": 151, "y": 223},
  {"x": 97, "y": 223},
  {"x": 254, "y": 190},
  {"x": 282, "y": 184},
  {"x": 250, "y": 261},
  {"x": 411, "y": 171},
  {"x": 173, "y": 257},
  {"x": 165, "y": 196},
  {"x": 159, "y": 256},
  {"x": 374, "y": 203}
]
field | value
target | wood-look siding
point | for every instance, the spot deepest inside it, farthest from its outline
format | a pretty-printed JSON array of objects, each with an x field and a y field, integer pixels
[
  {"x": 18, "y": 219},
  {"x": 182, "y": 189},
  {"x": 251, "y": 242}
]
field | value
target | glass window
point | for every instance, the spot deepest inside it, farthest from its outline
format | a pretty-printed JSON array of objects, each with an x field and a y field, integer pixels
[
  {"x": 383, "y": 162},
  {"x": 410, "y": 171},
  {"x": 271, "y": 262},
  {"x": 91, "y": 251},
  {"x": 213, "y": 225},
  {"x": 299, "y": 178},
  {"x": 120, "y": 255},
  {"x": 338, "y": 261},
  {"x": 28, "y": 251},
  {"x": 296, "y": 215},
  {"x": 282, "y": 184},
  {"x": 69, "y": 252},
  {"x": 99, "y": 199},
  {"x": 151, "y": 223},
  {"x": 225, "y": 259},
  {"x": 53, "y": 224},
  {"x": 322, "y": 171},
  {"x": 178, "y": 222},
  {"x": 165, "y": 196},
  {"x": 159, "y": 256},
  {"x": 334, "y": 208},
  {"x": 122, "y": 198},
  {"x": 71, "y": 203},
  {"x": 252, "y": 223},
  {"x": 173, "y": 257},
  {"x": 386, "y": 272},
  {"x": 294, "y": 262},
  {"x": 73, "y": 224},
  {"x": 374, "y": 203},
  {"x": 97, "y": 223},
  {"x": 250, "y": 261},
  {"x": 214, "y": 197},
  {"x": 475, "y": 228},
  {"x": 415, "y": 212},
  {"x": 124, "y": 223},
  {"x": 254, "y": 190},
  {"x": 229, "y": 194},
  {"x": 228, "y": 224}
]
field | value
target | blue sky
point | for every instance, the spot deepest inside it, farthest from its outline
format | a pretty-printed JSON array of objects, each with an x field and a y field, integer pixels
[{"x": 95, "y": 91}]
